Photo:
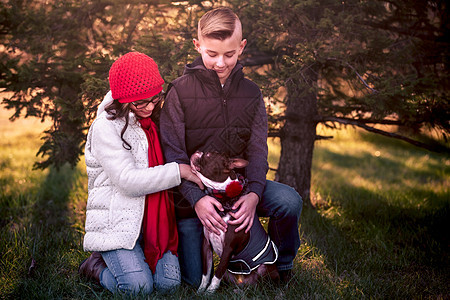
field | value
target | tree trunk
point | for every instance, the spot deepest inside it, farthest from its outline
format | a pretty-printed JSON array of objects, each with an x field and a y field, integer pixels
[{"x": 297, "y": 139}]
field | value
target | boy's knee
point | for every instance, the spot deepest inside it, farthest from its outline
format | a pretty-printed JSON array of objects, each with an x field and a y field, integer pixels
[
  {"x": 291, "y": 202},
  {"x": 191, "y": 273},
  {"x": 189, "y": 250}
]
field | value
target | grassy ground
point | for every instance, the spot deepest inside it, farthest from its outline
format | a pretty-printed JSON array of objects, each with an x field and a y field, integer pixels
[{"x": 379, "y": 230}]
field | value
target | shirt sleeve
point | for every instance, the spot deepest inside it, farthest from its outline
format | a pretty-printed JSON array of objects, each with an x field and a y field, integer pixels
[
  {"x": 105, "y": 152},
  {"x": 172, "y": 128},
  {"x": 257, "y": 150}
]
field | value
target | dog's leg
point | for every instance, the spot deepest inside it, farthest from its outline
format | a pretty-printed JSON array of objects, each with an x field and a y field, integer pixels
[
  {"x": 230, "y": 243},
  {"x": 272, "y": 271},
  {"x": 220, "y": 271},
  {"x": 207, "y": 261}
]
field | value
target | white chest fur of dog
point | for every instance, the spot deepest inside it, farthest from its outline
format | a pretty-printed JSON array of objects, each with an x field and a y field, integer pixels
[{"x": 217, "y": 243}]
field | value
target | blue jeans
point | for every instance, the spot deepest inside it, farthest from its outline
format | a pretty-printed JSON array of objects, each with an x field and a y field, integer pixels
[
  {"x": 279, "y": 202},
  {"x": 128, "y": 272}
]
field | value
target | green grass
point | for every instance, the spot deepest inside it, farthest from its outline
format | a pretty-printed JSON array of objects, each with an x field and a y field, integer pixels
[{"x": 379, "y": 228}]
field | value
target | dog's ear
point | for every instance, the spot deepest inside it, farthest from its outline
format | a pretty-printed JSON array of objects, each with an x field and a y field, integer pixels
[
  {"x": 237, "y": 163},
  {"x": 194, "y": 160}
]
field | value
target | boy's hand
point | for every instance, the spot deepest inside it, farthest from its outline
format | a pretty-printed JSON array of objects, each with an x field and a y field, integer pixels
[
  {"x": 246, "y": 213},
  {"x": 208, "y": 216}
]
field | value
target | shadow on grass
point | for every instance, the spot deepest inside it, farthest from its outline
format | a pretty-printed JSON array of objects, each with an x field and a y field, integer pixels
[
  {"x": 54, "y": 241},
  {"x": 376, "y": 244}
]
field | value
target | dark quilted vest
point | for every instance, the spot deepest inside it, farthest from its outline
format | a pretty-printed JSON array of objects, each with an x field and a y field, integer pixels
[{"x": 219, "y": 119}]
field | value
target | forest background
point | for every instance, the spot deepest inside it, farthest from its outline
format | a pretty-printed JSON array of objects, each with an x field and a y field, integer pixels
[{"x": 381, "y": 66}]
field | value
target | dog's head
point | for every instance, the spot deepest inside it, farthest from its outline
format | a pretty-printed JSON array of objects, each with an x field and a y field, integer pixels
[{"x": 216, "y": 166}]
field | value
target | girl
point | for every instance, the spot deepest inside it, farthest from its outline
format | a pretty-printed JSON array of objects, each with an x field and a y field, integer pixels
[{"x": 127, "y": 182}]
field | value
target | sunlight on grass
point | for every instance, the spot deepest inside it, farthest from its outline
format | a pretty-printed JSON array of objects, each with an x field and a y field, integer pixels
[
  {"x": 373, "y": 194},
  {"x": 32, "y": 217},
  {"x": 274, "y": 156},
  {"x": 378, "y": 229},
  {"x": 19, "y": 143},
  {"x": 78, "y": 196},
  {"x": 356, "y": 162}
]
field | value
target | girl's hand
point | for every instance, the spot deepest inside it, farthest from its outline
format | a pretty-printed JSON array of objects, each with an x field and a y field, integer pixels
[{"x": 186, "y": 173}]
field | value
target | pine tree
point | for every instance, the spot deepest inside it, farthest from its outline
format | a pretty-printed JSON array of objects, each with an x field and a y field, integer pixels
[
  {"x": 359, "y": 63},
  {"x": 55, "y": 60}
]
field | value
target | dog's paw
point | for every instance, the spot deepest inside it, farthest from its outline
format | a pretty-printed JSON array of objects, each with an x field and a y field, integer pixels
[
  {"x": 202, "y": 288},
  {"x": 210, "y": 290},
  {"x": 203, "y": 284},
  {"x": 215, "y": 282}
]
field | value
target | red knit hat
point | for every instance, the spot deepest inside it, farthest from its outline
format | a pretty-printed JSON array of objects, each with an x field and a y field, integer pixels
[{"x": 134, "y": 76}]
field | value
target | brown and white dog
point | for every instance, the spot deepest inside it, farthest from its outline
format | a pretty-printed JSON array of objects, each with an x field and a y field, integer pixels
[{"x": 244, "y": 257}]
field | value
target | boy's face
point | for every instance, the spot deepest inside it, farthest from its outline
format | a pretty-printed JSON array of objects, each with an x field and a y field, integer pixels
[{"x": 220, "y": 56}]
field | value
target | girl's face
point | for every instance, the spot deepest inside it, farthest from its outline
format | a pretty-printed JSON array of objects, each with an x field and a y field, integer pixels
[{"x": 144, "y": 108}]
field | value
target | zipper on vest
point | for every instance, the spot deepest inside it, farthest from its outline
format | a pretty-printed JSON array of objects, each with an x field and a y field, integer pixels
[{"x": 225, "y": 113}]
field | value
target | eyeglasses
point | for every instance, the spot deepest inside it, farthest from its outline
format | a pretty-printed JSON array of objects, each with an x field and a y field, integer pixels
[{"x": 143, "y": 103}]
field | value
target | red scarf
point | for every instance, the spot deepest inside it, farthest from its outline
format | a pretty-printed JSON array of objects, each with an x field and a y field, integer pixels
[{"x": 159, "y": 227}]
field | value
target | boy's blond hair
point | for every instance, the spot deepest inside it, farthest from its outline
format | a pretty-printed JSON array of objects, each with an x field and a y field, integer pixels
[{"x": 219, "y": 24}]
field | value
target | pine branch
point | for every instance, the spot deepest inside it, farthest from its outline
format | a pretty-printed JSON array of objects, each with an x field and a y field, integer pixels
[
  {"x": 135, "y": 22},
  {"x": 356, "y": 72},
  {"x": 257, "y": 60},
  {"x": 434, "y": 148},
  {"x": 423, "y": 34},
  {"x": 361, "y": 121},
  {"x": 323, "y": 137},
  {"x": 273, "y": 133},
  {"x": 362, "y": 79}
]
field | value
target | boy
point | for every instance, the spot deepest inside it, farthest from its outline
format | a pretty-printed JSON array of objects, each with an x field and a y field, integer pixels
[{"x": 212, "y": 107}]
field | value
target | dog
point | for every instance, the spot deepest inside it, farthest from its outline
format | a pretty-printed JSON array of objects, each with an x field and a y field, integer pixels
[{"x": 244, "y": 257}]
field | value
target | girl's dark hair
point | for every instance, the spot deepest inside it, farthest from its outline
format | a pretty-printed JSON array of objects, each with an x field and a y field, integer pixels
[{"x": 117, "y": 110}]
